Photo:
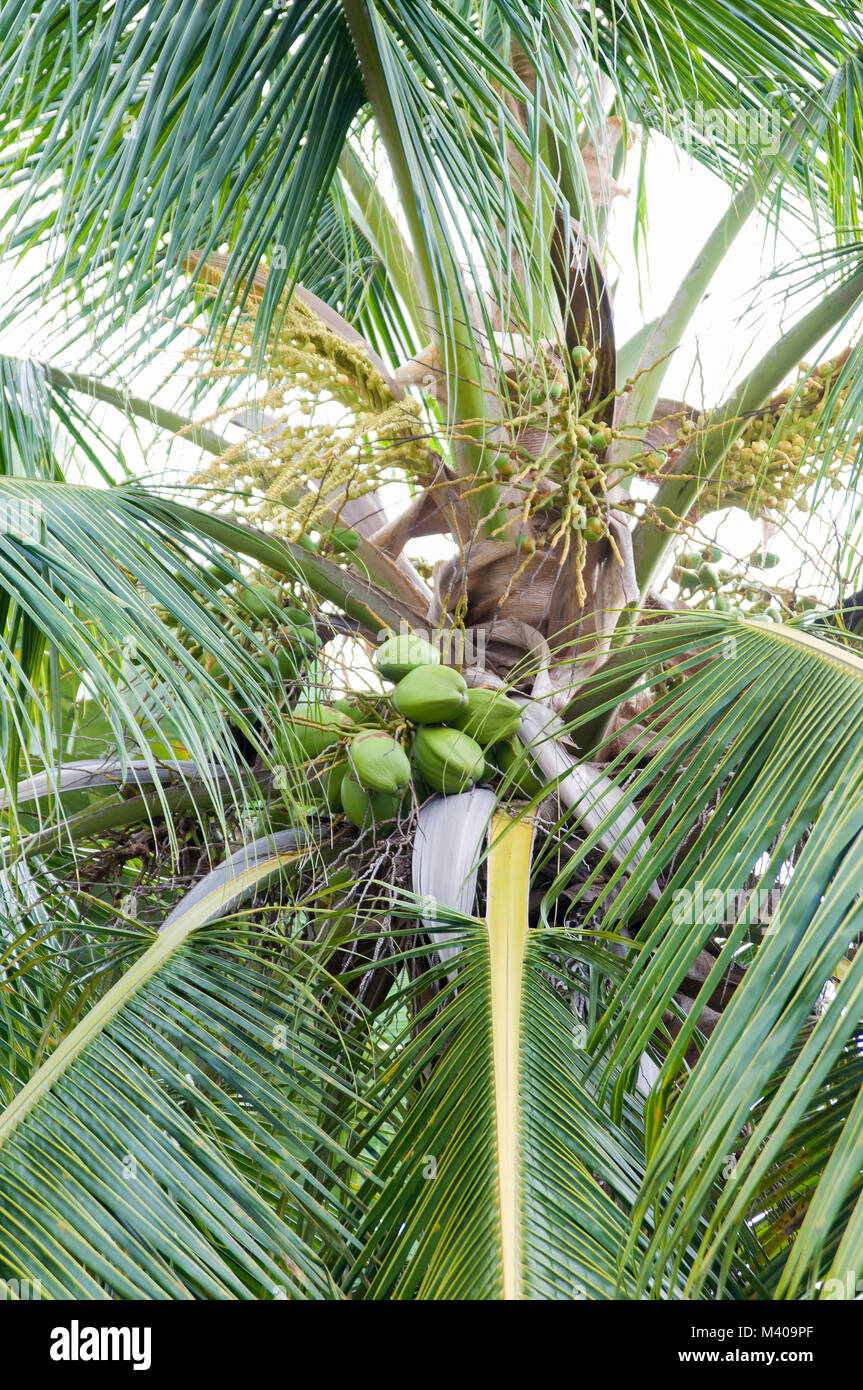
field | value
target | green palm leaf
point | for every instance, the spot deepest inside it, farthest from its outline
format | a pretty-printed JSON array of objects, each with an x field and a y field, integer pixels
[
  {"x": 748, "y": 732},
  {"x": 489, "y": 1181},
  {"x": 84, "y": 574},
  {"x": 168, "y": 1147}
]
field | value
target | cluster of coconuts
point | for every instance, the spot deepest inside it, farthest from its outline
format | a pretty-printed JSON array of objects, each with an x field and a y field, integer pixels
[
  {"x": 448, "y": 738},
  {"x": 293, "y": 642},
  {"x": 290, "y": 634},
  {"x": 566, "y": 415},
  {"x": 705, "y": 585}
]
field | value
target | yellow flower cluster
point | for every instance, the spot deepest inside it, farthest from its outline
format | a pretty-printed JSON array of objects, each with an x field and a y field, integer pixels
[
  {"x": 326, "y": 426},
  {"x": 785, "y": 449},
  {"x": 558, "y": 440}
]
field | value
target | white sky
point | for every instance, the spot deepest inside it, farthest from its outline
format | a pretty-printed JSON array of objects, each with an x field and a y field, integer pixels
[{"x": 735, "y": 324}]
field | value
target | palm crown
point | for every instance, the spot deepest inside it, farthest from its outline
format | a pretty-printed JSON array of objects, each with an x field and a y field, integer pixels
[{"x": 578, "y": 1019}]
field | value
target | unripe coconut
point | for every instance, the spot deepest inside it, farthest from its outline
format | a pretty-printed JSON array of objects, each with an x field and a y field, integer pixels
[
  {"x": 399, "y": 655},
  {"x": 363, "y": 807},
  {"x": 286, "y": 664},
  {"x": 517, "y": 766},
  {"x": 299, "y": 619},
  {"x": 329, "y": 786},
  {"x": 258, "y": 602},
  {"x": 379, "y": 763},
  {"x": 430, "y": 695},
  {"x": 300, "y": 632},
  {"x": 316, "y": 727},
  {"x": 349, "y": 709},
  {"x": 447, "y": 760},
  {"x": 344, "y": 539},
  {"x": 489, "y": 717},
  {"x": 687, "y": 579}
]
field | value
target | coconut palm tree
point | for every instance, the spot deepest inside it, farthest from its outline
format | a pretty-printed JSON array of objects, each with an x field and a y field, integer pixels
[{"x": 583, "y": 1022}]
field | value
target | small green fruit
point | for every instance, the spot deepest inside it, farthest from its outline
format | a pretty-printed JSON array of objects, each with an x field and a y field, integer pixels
[
  {"x": 379, "y": 763},
  {"x": 348, "y": 709},
  {"x": 430, "y": 695},
  {"x": 259, "y": 602},
  {"x": 515, "y": 763},
  {"x": 298, "y": 618},
  {"x": 686, "y": 579},
  {"x": 344, "y": 539},
  {"x": 447, "y": 760},
  {"x": 316, "y": 727},
  {"x": 399, "y": 655},
  {"x": 286, "y": 663},
  {"x": 362, "y": 807},
  {"x": 488, "y": 717},
  {"x": 328, "y": 786}
]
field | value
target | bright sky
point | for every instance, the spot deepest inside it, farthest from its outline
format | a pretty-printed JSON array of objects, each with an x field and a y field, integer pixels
[{"x": 738, "y": 316}]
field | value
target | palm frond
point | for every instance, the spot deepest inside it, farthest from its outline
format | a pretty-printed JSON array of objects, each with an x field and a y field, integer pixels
[
  {"x": 499, "y": 1176},
  {"x": 171, "y": 1146},
  {"x": 746, "y": 732},
  {"x": 88, "y": 578}
]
